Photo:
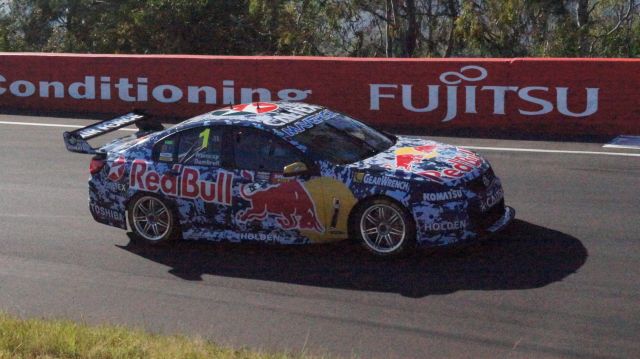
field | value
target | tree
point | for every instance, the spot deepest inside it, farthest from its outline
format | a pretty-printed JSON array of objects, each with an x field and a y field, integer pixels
[{"x": 375, "y": 28}]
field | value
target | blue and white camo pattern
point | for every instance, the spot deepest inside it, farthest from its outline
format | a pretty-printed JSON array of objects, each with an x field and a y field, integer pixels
[{"x": 452, "y": 193}]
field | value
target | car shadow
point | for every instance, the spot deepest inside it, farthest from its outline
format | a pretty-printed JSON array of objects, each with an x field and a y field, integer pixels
[{"x": 523, "y": 256}]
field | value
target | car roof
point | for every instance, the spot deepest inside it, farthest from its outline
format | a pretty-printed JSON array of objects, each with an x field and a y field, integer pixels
[{"x": 268, "y": 115}]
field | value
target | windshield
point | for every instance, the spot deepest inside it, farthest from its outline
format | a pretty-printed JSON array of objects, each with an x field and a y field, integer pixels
[{"x": 341, "y": 139}]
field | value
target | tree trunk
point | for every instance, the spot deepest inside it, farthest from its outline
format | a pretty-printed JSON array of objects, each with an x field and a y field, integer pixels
[
  {"x": 273, "y": 26},
  {"x": 583, "y": 26},
  {"x": 453, "y": 14},
  {"x": 413, "y": 29},
  {"x": 389, "y": 28}
]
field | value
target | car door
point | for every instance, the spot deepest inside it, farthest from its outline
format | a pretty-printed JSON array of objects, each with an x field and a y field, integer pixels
[
  {"x": 203, "y": 187},
  {"x": 270, "y": 202}
]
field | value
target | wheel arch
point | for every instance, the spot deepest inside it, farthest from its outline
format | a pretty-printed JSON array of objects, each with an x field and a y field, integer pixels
[
  {"x": 351, "y": 227},
  {"x": 170, "y": 202}
]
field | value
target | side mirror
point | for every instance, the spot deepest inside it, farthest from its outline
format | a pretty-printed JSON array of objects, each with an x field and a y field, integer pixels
[{"x": 295, "y": 169}]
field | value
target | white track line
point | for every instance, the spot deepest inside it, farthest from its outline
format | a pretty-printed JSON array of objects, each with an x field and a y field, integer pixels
[
  {"x": 505, "y": 149},
  {"x": 536, "y": 150},
  {"x": 622, "y": 146}
]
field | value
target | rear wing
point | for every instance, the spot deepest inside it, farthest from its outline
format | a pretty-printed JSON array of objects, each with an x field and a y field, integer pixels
[{"x": 76, "y": 141}]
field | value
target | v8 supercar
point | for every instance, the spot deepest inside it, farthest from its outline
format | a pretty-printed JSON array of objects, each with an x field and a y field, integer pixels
[{"x": 288, "y": 173}]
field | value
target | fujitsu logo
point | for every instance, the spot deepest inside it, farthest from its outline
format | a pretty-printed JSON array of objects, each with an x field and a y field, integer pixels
[
  {"x": 535, "y": 97},
  {"x": 186, "y": 185}
]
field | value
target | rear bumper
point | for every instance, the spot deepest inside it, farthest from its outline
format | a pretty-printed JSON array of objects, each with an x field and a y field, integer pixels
[
  {"x": 107, "y": 215},
  {"x": 106, "y": 202}
]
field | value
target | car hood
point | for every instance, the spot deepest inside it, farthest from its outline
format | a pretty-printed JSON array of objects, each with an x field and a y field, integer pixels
[{"x": 424, "y": 160}]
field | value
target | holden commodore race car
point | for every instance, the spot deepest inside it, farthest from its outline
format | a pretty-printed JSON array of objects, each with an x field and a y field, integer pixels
[{"x": 288, "y": 173}]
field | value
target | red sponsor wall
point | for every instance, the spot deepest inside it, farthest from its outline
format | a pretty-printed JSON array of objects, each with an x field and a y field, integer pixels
[{"x": 573, "y": 97}]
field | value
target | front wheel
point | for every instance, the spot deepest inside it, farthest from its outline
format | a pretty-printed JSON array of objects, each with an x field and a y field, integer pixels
[
  {"x": 152, "y": 220},
  {"x": 386, "y": 228}
]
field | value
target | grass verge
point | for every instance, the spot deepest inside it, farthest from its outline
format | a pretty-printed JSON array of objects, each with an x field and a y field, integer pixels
[{"x": 38, "y": 338}]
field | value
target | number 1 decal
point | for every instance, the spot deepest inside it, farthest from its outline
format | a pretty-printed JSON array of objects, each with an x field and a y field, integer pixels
[{"x": 205, "y": 137}]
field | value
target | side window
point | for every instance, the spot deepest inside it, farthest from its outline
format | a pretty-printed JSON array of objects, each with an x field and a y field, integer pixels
[
  {"x": 262, "y": 151},
  {"x": 165, "y": 150},
  {"x": 211, "y": 154},
  {"x": 199, "y": 147}
]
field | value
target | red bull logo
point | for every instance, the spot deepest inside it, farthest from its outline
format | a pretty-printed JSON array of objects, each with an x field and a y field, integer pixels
[
  {"x": 288, "y": 202},
  {"x": 187, "y": 185},
  {"x": 406, "y": 157},
  {"x": 464, "y": 162},
  {"x": 117, "y": 169}
]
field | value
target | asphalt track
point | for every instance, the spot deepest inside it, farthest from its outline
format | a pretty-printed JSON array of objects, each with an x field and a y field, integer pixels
[{"x": 562, "y": 281}]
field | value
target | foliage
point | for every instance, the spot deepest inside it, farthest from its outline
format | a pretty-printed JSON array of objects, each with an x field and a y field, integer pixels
[
  {"x": 375, "y": 28},
  {"x": 35, "y": 338}
]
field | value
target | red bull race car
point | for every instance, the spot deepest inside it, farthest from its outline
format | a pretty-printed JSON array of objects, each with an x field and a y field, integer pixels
[{"x": 288, "y": 173}]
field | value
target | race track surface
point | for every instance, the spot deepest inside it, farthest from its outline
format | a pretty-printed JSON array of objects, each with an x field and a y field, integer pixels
[{"x": 562, "y": 281}]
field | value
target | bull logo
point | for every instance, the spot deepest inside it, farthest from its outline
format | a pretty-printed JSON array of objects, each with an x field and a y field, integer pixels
[
  {"x": 406, "y": 157},
  {"x": 288, "y": 202}
]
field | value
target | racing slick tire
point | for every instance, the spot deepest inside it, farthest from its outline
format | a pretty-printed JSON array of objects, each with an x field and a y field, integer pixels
[
  {"x": 152, "y": 220},
  {"x": 385, "y": 228}
]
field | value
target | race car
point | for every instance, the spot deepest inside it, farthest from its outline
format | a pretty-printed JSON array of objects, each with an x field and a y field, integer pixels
[{"x": 290, "y": 173}]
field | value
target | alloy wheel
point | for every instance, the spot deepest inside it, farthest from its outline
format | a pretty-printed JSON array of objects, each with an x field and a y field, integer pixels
[
  {"x": 383, "y": 228},
  {"x": 151, "y": 218}
]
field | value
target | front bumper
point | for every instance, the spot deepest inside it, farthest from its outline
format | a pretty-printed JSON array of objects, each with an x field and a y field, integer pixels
[
  {"x": 477, "y": 212},
  {"x": 502, "y": 222},
  {"x": 478, "y": 228}
]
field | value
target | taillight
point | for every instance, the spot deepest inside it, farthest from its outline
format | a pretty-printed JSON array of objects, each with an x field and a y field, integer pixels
[{"x": 96, "y": 165}]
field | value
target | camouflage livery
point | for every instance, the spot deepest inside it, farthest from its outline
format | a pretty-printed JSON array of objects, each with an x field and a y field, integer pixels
[{"x": 452, "y": 193}]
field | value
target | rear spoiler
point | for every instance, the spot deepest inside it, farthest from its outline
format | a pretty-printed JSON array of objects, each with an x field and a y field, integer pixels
[{"x": 76, "y": 141}]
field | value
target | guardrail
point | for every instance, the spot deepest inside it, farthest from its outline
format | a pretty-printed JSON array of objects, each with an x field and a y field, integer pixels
[{"x": 565, "y": 97}]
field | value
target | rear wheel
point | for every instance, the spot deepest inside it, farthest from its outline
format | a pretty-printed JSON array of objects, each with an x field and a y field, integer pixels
[
  {"x": 386, "y": 228},
  {"x": 152, "y": 220}
]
